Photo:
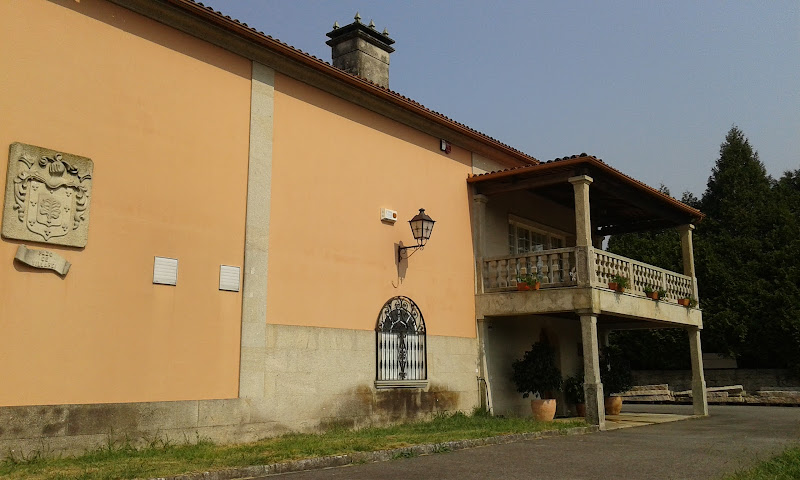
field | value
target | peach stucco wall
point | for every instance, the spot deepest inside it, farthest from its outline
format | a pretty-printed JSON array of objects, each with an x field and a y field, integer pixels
[
  {"x": 165, "y": 119},
  {"x": 332, "y": 262}
]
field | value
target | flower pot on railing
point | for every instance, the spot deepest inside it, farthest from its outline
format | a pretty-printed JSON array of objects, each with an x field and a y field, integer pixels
[
  {"x": 688, "y": 302},
  {"x": 654, "y": 294},
  {"x": 618, "y": 283},
  {"x": 529, "y": 282}
]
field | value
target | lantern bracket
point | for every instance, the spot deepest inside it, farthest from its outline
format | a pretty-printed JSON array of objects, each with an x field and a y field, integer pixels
[{"x": 400, "y": 251}]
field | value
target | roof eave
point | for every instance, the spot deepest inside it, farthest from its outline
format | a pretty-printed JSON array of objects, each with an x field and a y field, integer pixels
[{"x": 592, "y": 162}]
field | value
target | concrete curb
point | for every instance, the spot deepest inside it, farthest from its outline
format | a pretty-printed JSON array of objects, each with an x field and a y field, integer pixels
[
  {"x": 371, "y": 457},
  {"x": 751, "y": 403}
]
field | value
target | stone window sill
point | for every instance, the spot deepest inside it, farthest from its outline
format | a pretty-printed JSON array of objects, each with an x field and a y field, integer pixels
[{"x": 382, "y": 384}]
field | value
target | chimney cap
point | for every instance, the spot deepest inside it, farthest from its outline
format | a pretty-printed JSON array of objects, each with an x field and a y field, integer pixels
[{"x": 358, "y": 29}]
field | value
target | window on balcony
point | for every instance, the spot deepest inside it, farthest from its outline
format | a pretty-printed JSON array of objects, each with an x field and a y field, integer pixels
[
  {"x": 524, "y": 237},
  {"x": 400, "y": 340}
]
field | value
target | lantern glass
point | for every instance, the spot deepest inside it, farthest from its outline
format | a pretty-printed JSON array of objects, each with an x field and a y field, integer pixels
[{"x": 421, "y": 227}]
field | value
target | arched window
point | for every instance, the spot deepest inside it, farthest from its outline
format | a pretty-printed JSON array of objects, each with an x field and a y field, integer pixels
[{"x": 400, "y": 339}]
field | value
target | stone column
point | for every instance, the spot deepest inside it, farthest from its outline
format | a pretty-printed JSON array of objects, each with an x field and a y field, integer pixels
[
  {"x": 483, "y": 363},
  {"x": 699, "y": 400},
  {"x": 583, "y": 230},
  {"x": 479, "y": 237},
  {"x": 688, "y": 255},
  {"x": 592, "y": 387},
  {"x": 583, "y": 223},
  {"x": 253, "y": 362}
]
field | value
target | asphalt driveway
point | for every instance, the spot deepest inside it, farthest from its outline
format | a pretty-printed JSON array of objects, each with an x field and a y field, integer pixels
[{"x": 734, "y": 437}]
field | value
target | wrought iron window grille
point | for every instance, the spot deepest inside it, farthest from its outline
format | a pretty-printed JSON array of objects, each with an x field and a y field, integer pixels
[{"x": 400, "y": 340}]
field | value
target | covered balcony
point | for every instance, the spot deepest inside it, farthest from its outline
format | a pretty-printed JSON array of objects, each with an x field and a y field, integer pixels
[{"x": 549, "y": 221}]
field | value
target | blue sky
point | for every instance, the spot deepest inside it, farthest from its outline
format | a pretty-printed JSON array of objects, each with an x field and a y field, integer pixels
[{"x": 650, "y": 87}]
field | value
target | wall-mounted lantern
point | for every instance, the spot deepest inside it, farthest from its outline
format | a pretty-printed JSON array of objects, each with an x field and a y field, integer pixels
[{"x": 421, "y": 228}]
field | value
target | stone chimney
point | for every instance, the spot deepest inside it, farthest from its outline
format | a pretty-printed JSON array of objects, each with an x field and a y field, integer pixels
[{"x": 361, "y": 50}]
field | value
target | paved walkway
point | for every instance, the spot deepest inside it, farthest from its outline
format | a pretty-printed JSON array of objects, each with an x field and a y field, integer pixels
[
  {"x": 734, "y": 437},
  {"x": 631, "y": 419}
]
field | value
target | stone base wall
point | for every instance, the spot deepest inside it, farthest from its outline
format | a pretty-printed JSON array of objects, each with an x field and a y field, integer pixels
[
  {"x": 319, "y": 376},
  {"x": 752, "y": 379},
  {"x": 316, "y": 378}
]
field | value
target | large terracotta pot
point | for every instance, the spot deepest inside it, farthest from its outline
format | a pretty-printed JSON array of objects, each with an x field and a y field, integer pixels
[
  {"x": 523, "y": 287},
  {"x": 544, "y": 410},
  {"x": 580, "y": 408},
  {"x": 613, "y": 405}
]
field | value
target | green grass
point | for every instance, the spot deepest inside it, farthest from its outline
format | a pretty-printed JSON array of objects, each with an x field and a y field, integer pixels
[
  {"x": 784, "y": 466},
  {"x": 160, "y": 458}
]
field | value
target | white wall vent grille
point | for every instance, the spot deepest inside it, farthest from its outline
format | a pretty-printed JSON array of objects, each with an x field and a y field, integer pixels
[
  {"x": 229, "y": 278},
  {"x": 165, "y": 271}
]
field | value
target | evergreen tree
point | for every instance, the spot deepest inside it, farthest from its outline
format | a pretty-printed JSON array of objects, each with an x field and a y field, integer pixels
[
  {"x": 784, "y": 260},
  {"x": 732, "y": 254},
  {"x": 689, "y": 199},
  {"x": 660, "y": 349}
]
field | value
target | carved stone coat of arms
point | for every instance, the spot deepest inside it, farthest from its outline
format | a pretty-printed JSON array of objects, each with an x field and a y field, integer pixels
[{"x": 47, "y": 196}]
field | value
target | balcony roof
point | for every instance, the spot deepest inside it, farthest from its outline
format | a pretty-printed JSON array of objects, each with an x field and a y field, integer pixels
[{"x": 619, "y": 203}]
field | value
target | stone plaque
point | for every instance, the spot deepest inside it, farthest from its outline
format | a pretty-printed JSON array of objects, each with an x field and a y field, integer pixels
[
  {"x": 42, "y": 259},
  {"x": 47, "y": 196}
]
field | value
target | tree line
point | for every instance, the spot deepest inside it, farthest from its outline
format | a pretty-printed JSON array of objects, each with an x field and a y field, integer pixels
[{"x": 747, "y": 259}]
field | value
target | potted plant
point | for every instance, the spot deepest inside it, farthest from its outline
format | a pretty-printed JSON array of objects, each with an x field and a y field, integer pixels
[
  {"x": 534, "y": 281},
  {"x": 689, "y": 301},
  {"x": 615, "y": 373},
  {"x": 573, "y": 392},
  {"x": 536, "y": 373},
  {"x": 618, "y": 283},
  {"x": 529, "y": 282},
  {"x": 654, "y": 294},
  {"x": 650, "y": 293}
]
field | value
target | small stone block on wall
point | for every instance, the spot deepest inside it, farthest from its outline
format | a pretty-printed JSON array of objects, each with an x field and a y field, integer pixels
[{"x": 47, "y": 196}]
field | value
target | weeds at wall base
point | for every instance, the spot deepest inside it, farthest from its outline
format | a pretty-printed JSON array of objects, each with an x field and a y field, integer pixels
[{"x": 163, "y": 457}]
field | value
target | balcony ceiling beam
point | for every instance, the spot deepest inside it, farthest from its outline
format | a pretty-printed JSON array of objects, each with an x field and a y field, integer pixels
[
  {"x": 635, "y": 226},
  {"x": 652, "y": 206},
  {"x": 641, "y": 325},
  {"x": 532, "y": 183}
]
